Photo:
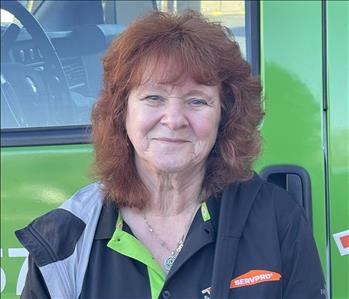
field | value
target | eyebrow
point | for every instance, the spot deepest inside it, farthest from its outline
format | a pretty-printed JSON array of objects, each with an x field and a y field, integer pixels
[
  {"x": 162, "y": 87},
  {"x": 195, "y": 92},
  {"x": 153, "y": 86}
]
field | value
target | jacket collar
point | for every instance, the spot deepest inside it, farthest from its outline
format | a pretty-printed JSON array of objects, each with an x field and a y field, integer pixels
[
  {"x": 109, "y": 213},
  {"x": 107, "y": 221}
]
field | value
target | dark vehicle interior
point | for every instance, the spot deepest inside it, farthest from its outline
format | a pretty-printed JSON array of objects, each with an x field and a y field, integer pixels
[{"x": 52, "y": 76}]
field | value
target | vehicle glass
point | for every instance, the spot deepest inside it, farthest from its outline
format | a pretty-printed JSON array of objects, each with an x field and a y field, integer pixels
[
  {"x": 51, "y": 74},
  {"x": 31, "y": 5}
]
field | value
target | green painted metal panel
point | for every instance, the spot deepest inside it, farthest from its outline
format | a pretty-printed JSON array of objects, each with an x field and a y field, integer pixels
[
  {"x": 338, "y": 139},
  {"x": 34, "y": 180},
  {"x": 291, "y": 70},
  {"x": 291, "y": 57}
]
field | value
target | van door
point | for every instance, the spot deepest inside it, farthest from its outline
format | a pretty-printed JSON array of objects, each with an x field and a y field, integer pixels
[{"x": 304, "y": 66}]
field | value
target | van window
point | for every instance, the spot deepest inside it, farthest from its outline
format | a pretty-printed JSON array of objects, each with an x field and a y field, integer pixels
[{"x": 51, "y": 72}]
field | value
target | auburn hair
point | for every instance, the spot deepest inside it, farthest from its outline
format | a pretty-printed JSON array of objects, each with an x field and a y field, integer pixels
[{"x": 187, "y": 44}]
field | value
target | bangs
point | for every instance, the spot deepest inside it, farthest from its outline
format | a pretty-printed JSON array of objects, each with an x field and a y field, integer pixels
[{"x": 172, "y": 62}]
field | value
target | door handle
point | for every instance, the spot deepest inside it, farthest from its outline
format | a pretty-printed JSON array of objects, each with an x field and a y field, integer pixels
[{"x": 295, "y": 180}]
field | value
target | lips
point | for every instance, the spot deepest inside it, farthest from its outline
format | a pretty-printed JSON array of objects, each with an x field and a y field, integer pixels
[{"x": 171, "y": 140}]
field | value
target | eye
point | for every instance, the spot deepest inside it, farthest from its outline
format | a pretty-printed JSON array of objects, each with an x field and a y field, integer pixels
[
  {"x": 197, "y": 102},
  {"x": 154, "y": 99}
]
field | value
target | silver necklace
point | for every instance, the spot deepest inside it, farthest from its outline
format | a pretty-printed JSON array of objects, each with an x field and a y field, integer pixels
[{"x": 169, "y": 261}]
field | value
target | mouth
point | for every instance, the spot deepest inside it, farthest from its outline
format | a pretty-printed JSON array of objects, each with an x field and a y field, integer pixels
[{"x": 171, "y": 140}]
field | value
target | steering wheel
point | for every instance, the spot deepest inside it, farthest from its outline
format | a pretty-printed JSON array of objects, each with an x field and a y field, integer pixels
[{"x": 35, "y": 95}]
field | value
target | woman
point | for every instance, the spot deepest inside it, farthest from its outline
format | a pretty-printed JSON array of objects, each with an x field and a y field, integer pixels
[{"x": 178, "y": 211}]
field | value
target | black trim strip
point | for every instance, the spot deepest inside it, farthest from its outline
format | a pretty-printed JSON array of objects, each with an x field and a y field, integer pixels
[
  {"x": 325, "y": 146},
  {"x": 252, "y": 25},
  {"x": 45, "y": 136}
]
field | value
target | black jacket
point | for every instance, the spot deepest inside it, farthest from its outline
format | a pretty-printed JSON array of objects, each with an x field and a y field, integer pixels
[{"x": 257, "y": 244}]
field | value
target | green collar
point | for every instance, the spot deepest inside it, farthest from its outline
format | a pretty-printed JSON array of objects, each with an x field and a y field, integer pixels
[{"x": 126, "y": 244}]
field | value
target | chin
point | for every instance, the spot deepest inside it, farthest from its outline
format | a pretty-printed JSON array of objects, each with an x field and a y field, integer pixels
[{"x": 172, "y": 166}]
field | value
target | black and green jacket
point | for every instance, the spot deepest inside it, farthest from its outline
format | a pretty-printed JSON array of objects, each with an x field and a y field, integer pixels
[{"x": 251, "y": 241}]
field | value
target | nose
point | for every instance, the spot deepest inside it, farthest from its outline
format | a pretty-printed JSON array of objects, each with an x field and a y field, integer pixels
[{"x": 174, "y": 116}]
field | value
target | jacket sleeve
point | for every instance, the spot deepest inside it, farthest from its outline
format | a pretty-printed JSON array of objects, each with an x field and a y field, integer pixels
[
  {"x": 302, "y": 274},
  {"x": 35, "y": 287}
]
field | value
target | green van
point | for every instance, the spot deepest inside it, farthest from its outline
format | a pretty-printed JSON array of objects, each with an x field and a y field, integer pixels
[{"x": 51, "y": 76}]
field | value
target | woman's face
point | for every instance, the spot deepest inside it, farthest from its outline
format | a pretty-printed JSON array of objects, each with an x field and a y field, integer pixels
[{"x": 172, "y": 127}]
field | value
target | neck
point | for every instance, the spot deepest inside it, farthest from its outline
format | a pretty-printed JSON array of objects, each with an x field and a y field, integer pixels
[{"x": 172, "y": 194}]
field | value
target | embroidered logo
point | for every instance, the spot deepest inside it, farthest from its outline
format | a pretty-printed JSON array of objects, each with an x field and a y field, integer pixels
[
  {"x": 253, "y": 277},
  {"x": 250, "y": 278}
]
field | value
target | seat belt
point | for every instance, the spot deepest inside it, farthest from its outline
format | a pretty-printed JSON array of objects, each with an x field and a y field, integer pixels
[{"x": 236, "y": 203}]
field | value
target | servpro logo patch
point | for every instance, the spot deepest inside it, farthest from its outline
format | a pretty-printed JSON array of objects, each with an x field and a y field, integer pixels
[
  {"x": 253, "y": 277},
  {"x": 250, "y": 278}
]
